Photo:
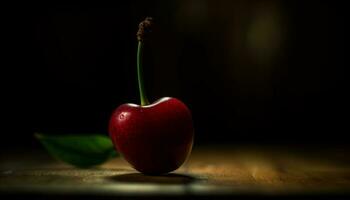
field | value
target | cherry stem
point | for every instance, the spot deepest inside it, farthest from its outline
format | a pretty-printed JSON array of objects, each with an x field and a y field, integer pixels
[{"x": 143, "y": 97}]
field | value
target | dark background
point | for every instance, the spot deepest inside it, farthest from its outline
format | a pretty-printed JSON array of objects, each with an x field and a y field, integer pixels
[{"x": 250, "y": 71}]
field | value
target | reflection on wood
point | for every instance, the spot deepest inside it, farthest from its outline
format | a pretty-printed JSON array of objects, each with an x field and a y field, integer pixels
[{"x": 212, "y": 170}]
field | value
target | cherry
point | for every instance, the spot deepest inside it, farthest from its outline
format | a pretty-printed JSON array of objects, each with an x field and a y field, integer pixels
[{"x": 154, "y": 138}]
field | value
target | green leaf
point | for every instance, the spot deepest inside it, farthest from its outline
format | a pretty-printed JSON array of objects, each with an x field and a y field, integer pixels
[{"x": 79, "y": 150}]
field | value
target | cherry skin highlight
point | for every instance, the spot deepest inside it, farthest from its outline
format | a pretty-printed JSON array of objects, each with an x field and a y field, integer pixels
[{"x": 154, "y": 139}]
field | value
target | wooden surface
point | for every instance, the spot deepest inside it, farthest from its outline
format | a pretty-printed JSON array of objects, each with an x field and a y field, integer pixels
[{"x": 210, "y": 171}]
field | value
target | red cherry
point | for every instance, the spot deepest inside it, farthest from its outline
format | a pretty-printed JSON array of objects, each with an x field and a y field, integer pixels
[{"x": 154, "y": 139}]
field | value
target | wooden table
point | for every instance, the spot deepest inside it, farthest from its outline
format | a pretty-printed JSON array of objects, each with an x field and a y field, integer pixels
[{"x": 212, "y": 171}]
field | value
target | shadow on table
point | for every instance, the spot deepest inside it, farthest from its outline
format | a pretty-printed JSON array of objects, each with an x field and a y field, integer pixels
[{"x": 161, "y": 179}]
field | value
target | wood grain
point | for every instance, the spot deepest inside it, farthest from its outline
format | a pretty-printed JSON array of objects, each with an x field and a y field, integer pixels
[{"x": 209, "y": 171}]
